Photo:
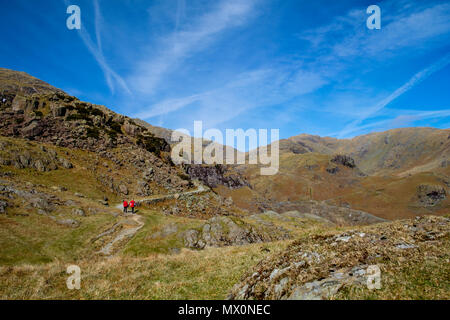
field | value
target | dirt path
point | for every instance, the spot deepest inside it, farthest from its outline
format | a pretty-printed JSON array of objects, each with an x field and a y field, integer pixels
[
  {"x": 157, "y": 198},
  {"x": 130, "y": 227},
  {"x": 134, "y": 222}
]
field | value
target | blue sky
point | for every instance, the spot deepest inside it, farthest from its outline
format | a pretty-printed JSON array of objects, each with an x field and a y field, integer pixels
[{"x": 300, "y": 66}]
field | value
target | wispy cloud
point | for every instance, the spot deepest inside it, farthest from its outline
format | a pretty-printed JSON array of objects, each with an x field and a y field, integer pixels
[
  {"x": 411, "y": 83},
  {"x": 403, "y": 26},
  {"x": 341, "y": 57},
  {"x": 111, "y": 77},
  {"x": 253, "y": 89},
  {"x": 176, "y": 47},
  {"x": 402, "y": 119}
]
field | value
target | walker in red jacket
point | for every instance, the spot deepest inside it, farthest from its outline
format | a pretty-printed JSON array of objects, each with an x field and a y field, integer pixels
[
  {"x": 125, "y": 206},
  {"x": 132, "y": 204}
]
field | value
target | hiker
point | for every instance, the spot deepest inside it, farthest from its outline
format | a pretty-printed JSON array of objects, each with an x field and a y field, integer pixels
[
  {"x": 125, "y": 206},
  {"x": 132, "y": 203}
]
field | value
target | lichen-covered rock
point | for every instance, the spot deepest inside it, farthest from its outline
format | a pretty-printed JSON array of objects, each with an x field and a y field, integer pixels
[
  {"x": 33, "y": 129},
  {"x": 123, "y": 189},
  {"x": 344, "y": 160},
  {"x": 317, "y": 267},
  {"x": 214, "y": 175},
  {"x": 3, "y": 206},
  {"x": 69, "y": 223},
  {"x": 224, "y": 231},
  {"x": 78, "y": 212},
  {"x": 65, "y": 163}
]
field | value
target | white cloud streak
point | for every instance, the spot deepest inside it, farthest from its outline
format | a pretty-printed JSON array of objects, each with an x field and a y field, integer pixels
[
  {"x": 111, "y": 76},
  {"x": 174, "y": 48},
  {"x": 411, "y": 83},
  {"x": 259, "y": 88}
]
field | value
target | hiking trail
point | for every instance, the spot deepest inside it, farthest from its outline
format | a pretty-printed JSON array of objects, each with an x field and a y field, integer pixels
[{"x": 134, "y": 222}]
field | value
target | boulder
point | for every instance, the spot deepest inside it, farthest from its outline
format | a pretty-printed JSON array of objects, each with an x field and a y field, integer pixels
[
  {"x": 39, "y": 165},
  {"x": 78, "y": 212},
  {"x": 65, "y": 163},
  {"x": 69, "y": 223},
  {"x": 192, "y": 240},
  {"x": 131, "y": 129},
  {"x": 123, "y": 189},
  {"x": 221, "y": 231},
  {"x": 33, "y": 129},
  {"x": 19, "y": 103},
  {"x": 41, "y": 203},
  {"x": 344, "y": 160},
  {"x": 3, "y": 206}
]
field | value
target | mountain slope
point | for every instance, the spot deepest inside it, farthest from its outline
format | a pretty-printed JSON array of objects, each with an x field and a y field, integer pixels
[
  {"x": 393, "y": 151},
  {"x": 66, "y": 165}
]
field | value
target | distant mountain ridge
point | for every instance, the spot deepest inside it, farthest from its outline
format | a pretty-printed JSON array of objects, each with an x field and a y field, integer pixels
[
  {"x": 396, "y": 173},
  {"x": 394, "y": 150}
]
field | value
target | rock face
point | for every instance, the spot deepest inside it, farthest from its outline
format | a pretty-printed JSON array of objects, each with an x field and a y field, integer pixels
[
  {"x": 51, "y": 116},
  {"x": 430, "y": 195},
  {"x": 43, "y": 161},
  {"x": 224, "y": 231},
  {"x": 214, "y": 175},
  {"x": 344, "y": 160},
  {"x": 318, "y": 267},
  {"x": 33, "y": 129}
]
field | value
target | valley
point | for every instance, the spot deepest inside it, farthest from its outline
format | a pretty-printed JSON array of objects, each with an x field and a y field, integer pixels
[{"x": 205, "y": 231}]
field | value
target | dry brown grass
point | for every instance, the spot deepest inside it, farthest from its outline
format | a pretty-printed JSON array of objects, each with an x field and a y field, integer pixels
[{"x": 206, "y": 274}]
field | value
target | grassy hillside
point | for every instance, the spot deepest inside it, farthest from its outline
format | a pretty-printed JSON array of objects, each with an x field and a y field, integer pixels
[
  {"x": 390, "y": 152},
  {"x": 66, "y": 166}
]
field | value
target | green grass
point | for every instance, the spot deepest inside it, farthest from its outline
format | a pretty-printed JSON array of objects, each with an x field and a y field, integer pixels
[
  {"x": 143, "y": 244},
  {"x": 36, "y": 239}
]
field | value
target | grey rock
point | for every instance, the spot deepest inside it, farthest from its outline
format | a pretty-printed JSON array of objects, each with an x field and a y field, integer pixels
[
  {"x": 33, "y": 129},
  {"x": 19, "y": 103},
  {"x": 41, "y": 203},
  {"x": 78, "y": 212},
  {"x": 39, "y": 165},
  {"x": 404, "y": 246},
  {"x": 65, "y": 163},
  {"x": 3, "y": 206},
  {"x": 68, "y": 222},
  {"x": 191, "y": 239},
  {"x": 316, "y": 290},
  {"x": 123, "y": 189},
  {"x": 70, "y": 203},
  {"x": 344, "y": 238}
]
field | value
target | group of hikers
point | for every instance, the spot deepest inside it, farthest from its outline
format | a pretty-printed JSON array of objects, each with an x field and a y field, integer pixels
[{"x": 132, "y": 204}]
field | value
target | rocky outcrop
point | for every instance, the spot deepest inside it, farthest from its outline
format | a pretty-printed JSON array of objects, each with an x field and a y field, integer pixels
[
  {"x": 344, "y": 160},
  {"x": 214, "y": 175},
  {"x": 3, "y": 206},
  {"x": 42, "y": 160},
  {"x": 57, "y": 118},
  {"x": 318, "y": 267},
  {"x": 224, "y": 231}
]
